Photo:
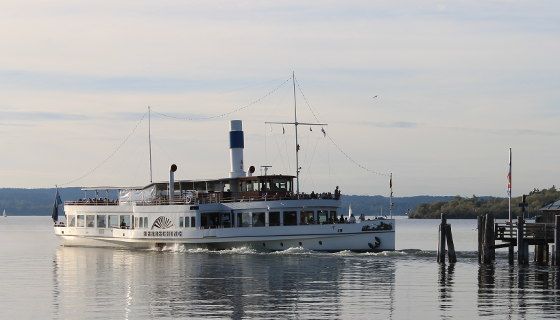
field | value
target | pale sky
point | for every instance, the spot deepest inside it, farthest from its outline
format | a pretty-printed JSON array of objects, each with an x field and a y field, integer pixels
[{"x": 458, "y": 83}]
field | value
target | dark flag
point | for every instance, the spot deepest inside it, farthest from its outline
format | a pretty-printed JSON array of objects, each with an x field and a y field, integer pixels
[{"x": 57, "y": 202}]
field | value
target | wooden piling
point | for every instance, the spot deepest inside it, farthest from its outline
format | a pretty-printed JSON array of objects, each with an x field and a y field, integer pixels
[
  {"x": 556, "y": 250},
  {"x": 450, "y": 246},
  {"x": 479, "y": 224},
  {"x": 488, "y": 251},
  {"x": 522, "y": 246},
  {"x": 441, "y": 244}
]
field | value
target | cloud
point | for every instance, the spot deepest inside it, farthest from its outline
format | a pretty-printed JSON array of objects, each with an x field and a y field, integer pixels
[
  {"x": 39, "y": 116},
  {"x": 395, "y": 124}
]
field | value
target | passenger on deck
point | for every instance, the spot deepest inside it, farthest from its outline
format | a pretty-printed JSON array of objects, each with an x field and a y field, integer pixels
[
  {"x": 341, "y": 219},
  {"x": 336, "y": 193},
  {"x": 123, "y": 224},
  {"x": 352, "y": 218}
]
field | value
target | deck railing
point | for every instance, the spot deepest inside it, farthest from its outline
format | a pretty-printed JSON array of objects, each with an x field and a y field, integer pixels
[{"x": 532, "y": 231}]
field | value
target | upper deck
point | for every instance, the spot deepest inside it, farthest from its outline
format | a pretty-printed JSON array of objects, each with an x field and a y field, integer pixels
[{"x": 195, "y": 192}]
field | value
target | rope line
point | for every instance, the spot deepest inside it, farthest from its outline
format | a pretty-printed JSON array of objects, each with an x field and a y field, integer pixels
[
  {"x": 331, "y": 139},
  {"x": 228, "y": 113},
  {"x": 110, "y": 155}
]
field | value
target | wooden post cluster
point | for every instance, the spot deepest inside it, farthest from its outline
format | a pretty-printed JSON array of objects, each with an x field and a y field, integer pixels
[{"x": 445, "y": 237}]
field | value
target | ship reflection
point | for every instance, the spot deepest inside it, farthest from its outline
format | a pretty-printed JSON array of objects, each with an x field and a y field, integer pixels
[
  {"x": 143, "y": 284},
  {"x": 517, "y": 291}
]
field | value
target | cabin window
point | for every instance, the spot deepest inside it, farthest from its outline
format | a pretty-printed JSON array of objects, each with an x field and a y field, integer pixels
[
  {"x": 181, "y": 224},
  {"x": 124, "y": 221},
  {"x": 186, "y": 221},
  {"x": 274, "y": 218},
  {"x": 258, "y": 219},
  {"x": 290, "y": 218},
  {"x": 71, "y": 221},
  {"x": 243, "y": 219},
  {"x": 333, "y": 216},
  {"x": 209, "y": 219},
  {"x": 193, "y": 222},
  {"x": 101, "y": 221},
  {"x": 113, "y": 221},
  {"x": 81, "y": 221},
  {"x": 145, "y": 222},
  {"x": 225, "y": 219},
  {"x": 323, "y": 217},
  {"x": 306, "y": 217},
  {"x": 90, "y": 221}
]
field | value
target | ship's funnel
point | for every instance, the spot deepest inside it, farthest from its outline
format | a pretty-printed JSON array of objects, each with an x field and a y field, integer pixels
[{"x": 236, "y": 145}]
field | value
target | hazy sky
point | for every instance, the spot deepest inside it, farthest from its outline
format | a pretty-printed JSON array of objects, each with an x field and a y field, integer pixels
[{"x": 457, "y": 83}]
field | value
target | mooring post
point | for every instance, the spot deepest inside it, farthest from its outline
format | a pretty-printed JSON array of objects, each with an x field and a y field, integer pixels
[
  {"x": 521, "y": 242},
  {"x": 556, "y": 251},
  {"x": 441, "y": 244},
  {"x": 450, "y": 246},
  {"x": 488, "y": 248},
  {"x": 480, "y": 228}
]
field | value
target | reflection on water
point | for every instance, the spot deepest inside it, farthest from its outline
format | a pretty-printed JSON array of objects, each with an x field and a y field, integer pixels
[
  {"x": 519, "y": 291},
  {"x": 41, "y": 280},
  {"x": 446, "y": 286},
  {"x": 143, "y": 284}
]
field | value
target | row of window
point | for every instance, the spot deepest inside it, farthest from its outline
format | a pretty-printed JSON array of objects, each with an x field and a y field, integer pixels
[
  {"x": 261, "y": 219},
  {"x": 211, "y": 219},
  {"x": 105, "y": 221}
]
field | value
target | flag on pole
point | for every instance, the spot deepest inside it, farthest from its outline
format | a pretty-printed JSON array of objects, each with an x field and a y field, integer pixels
[{"x": 57, "y": 202}]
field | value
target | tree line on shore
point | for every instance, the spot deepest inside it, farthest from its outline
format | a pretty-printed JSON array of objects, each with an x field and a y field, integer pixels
[{"x": 470, "y": 208}]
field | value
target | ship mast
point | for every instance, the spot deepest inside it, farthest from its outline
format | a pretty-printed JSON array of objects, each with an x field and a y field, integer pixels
[{"x": 296, "y": 124}]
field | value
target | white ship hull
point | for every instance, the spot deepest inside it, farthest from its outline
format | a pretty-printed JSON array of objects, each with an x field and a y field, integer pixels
[{"x": 369, "y": 235}]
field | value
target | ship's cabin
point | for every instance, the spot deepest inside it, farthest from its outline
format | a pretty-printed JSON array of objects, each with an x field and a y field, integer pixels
[{"x": 254, "y": 188}]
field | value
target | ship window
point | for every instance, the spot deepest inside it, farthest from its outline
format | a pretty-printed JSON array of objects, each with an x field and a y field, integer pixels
[
  {"x": 306, "y": 217},
  {"x": 145, "y": 222},
  {"x": 81, "y": 221},
  {"x": 181, "y": 224},
  {"x": 225, "y": 219},
  {"x": 209, "y": 219},
  {"x": 193, "y": 222},
  {"x": 258, "y": 219},
  {"x": 101, "y": 221},
  {"x": 125, "y": 221},
  {"x": 333, "y": 215},
  {"x": 113, "y": 221},
  {"x": 243, "y": 219},
  {"x": 90, "y": 221},
  {"x": 186, "y": 222},
  {"x": 290, "y": 218},
  {"x": 323, "y": 217},
  {"x": 274, "y": 218},
  {"x": 71, "y": 221}
]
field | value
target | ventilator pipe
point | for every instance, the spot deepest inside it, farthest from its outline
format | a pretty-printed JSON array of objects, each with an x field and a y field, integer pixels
[{"x": 172, "y": 183}]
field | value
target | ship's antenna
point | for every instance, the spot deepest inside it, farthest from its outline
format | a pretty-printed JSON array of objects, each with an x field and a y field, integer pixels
[{"x": 150, "y": 140}]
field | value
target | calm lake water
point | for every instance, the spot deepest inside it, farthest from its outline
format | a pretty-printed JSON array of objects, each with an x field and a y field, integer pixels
[{"x": 41, "y": 280}]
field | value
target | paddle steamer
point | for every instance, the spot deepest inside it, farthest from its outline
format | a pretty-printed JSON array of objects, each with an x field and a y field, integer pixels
[{"x": 243, "y": 210}]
